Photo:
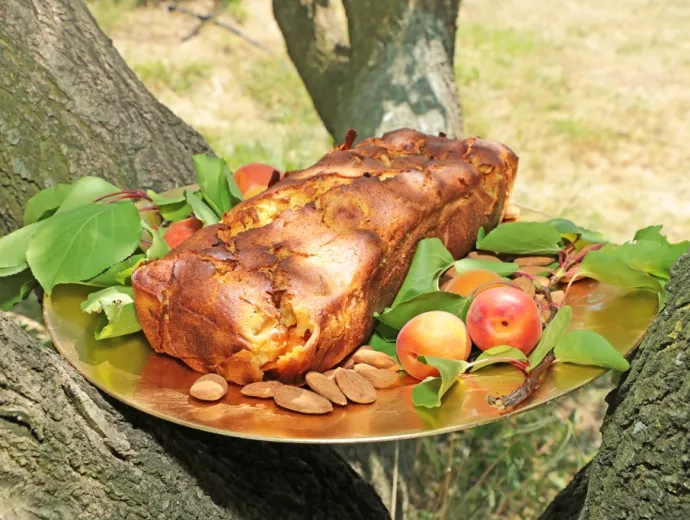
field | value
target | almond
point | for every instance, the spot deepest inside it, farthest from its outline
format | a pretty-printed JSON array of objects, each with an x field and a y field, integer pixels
[
  {"x": 478, "y": 256},
  {"x": 209, "y": 387},
  {"x": 354, "y": 386},
  {"x": 378, "y": 377},
  {"x": 558, "y": 297},
  {"x": 262, "y": 389},
  {"x": 534, "y": 260},
  {"x": 301, "y": 400},
  {"x": 325, "y": 387},
  {"x": 373, "y": 358},
  {"x": 536, "y": 270},
  {"x": 330, "y": 374},
  {"x": 525, "y": 284},
  {"x": 543, "y": 281},
  {"x": 512, "y": 212}
]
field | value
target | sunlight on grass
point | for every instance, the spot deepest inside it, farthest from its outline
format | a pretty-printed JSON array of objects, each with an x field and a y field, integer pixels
[{"x": 180, "y": 78}]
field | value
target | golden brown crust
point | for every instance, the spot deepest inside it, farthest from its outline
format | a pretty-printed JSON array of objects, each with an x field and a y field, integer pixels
[{"x": 291, "y": 278}]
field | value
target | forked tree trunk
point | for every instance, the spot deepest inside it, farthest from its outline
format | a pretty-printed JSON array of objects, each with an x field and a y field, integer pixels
[
  {"x": 642, "y": 470},
  {"x": 393, "y": 69}
]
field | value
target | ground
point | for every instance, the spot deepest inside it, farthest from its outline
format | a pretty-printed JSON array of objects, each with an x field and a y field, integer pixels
[{"x": 591, "y": 95}]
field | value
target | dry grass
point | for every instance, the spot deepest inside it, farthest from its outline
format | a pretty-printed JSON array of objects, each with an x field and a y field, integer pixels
[{"x": 591, "y": 94}]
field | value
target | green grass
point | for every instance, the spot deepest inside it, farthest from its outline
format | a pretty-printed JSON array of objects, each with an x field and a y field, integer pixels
[{"x": 179, "y": 78}]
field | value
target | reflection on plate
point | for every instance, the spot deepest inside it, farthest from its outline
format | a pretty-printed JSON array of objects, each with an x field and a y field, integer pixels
[{"x": 128, "y": 369}]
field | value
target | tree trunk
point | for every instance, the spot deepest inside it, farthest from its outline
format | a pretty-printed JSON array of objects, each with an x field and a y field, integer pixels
[
  {"x": 394, "y": 70},
  {"x": 71, "y": 107},
  {"x": 67, "y": 451},
  {"x": 642, "y": 470}
]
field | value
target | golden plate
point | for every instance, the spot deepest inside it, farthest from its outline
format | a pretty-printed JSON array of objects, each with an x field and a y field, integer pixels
[{"x": 128, "y": 369}]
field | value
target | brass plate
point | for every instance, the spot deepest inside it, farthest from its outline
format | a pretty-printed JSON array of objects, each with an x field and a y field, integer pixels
[{"x": 128, "y": 370}]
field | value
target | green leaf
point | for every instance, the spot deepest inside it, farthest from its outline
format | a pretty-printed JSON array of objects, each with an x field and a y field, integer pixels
[
  {"x": 80, "y": 244},
  {"x": 201, "y": 210},
  {"x": 15, "y": 288},
  {"x": 430, "y": 259},
  {"x": 611, "y": 265},
  {"x": 85, "y": 191},
  {"x": 45, "y": 203},
  {"x": 488, "y": 357},
  {"x": 522, "y": 238},
  {"x": 124, "y": 276},
  {"x": 9, "y": 271},
  {"x": 171, "y": 208},
  {"x": 159, "y": 248},
  {"x": 572, "y": 231},
  {"x": 110, "y": 276},
  {"x": 429, "y": 392},
  {"x": 552, "y": 334},
  {"x": 235, "y": 192},
  {"x": 396, "y": 317},
  {"x": 651, "y": 233},
  {"x": 586, "y": 347},
  {"x": 651, "y": 257},
  {"x": 13, "y": 248},
  {"x": 211, "y": 174},
  {"x": 500, "y": 268},
  {"x": 117, "y": 304},
  {"x": 378, "y": 342}
]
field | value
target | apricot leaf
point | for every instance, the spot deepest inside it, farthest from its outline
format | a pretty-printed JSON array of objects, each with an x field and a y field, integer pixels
[
  {"x": 398, "y": 315},
  {"x": 82, "y": 243},
  {"x": 158, "y": 247},
  {"x": 497, "y": 355},
  {"x": 430, "y": 260},
  {"x": 201, "y": 210},
  {"x": 552, "y": 334},
  {"x": 572, "y": 232},
  {"x": 214, "y": 182},
  {"x": 13, "y": 249},
  {"x": 430, "y": 391},
  {"x": 15, "y": 288},
  {"x": 586, "y": 347},
  {"x": 521, "y": 238},
  {"x": 378, "y": 342},
  {"x": 85, "y": 191},
  {"x": 110, "y": 276},
  {"x": 171, "y": 208},
  {"x": 117, "y": 305},
  {"x": 612, "y": 265},
  {"x": 45, "y": 203},
  {"x": 500, "y": 268}
]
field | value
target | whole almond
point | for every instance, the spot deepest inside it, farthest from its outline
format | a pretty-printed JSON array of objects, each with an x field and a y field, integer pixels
[
  {"x": 478, "y": 256},
  {"x": 534, "y": 260},
  {"x": 378, "y": 377},
  {"x": 525, "y": 284},
  {"x": 373, "y": 358},
  {"x": 301, "y": 400},
  {"x": 262, "y": 389},
  {"x": 326, "y": 387},
  {"x": 543, "y": 281},
  {"x": 536, "y": 270},
  {"x": 354, "y": 386},
  {"x": 330, "y": 374},
  {"x": 557, "y": 297},
  {"x": 209, "y": 387}
]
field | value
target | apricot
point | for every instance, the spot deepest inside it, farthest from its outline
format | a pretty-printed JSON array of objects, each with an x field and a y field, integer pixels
[
  {"x": 254, "y": 175},
  {"x": 504, "y": 316},
  {"x": 433, "y": 333},
  {"x": 466, "y": 282},
  {"x": 181, "y": 230}
]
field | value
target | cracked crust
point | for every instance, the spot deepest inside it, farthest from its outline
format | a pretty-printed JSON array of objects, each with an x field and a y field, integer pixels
[{"x": 291, "y": 278}]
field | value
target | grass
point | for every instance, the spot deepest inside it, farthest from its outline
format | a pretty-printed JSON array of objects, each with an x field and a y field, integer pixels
[{"x": 589, "y": 95}]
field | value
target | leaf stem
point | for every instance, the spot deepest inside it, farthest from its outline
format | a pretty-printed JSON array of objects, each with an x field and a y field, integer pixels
[
  {"x": 123, "y": 195},
  {"x": 520, "y": 365},
  {"x": 526, "y": 389}
]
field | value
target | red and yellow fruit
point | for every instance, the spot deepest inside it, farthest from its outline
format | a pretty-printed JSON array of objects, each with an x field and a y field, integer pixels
[
  {"x": 504, "y": 316},
  {"x": 181, "y": 230},
  {"x": 467, "y": 282},
  {"x": 253, "y": 178},
  {"x": 434, "y": 333}
]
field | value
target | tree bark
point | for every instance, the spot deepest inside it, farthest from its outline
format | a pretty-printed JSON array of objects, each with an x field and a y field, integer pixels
[
  {"x": 393, "y": 69},
  {"x": 67, "y": 451},
  {"x": 642, "y": 470},
  {"x": 71, "y": 107}
]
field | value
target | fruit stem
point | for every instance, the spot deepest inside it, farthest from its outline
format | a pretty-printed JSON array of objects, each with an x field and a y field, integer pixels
[
  {"x": 582, "y": 254},
  {"x": 526, "y": 389},
  {"x": 123, "y": 195},
  {"x": 520, "y": 365}
]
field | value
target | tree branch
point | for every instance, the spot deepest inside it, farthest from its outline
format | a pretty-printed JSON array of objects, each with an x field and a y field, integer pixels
[{"x": 317, "y": 47}]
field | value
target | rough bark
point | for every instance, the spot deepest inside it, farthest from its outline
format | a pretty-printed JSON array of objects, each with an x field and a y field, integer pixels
[
  {"x": 393, "y": 69},
  {"x": 66, "y": 451},
  {"x": 642, "y": 470},
  {"x": 71, "y": 107}
]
